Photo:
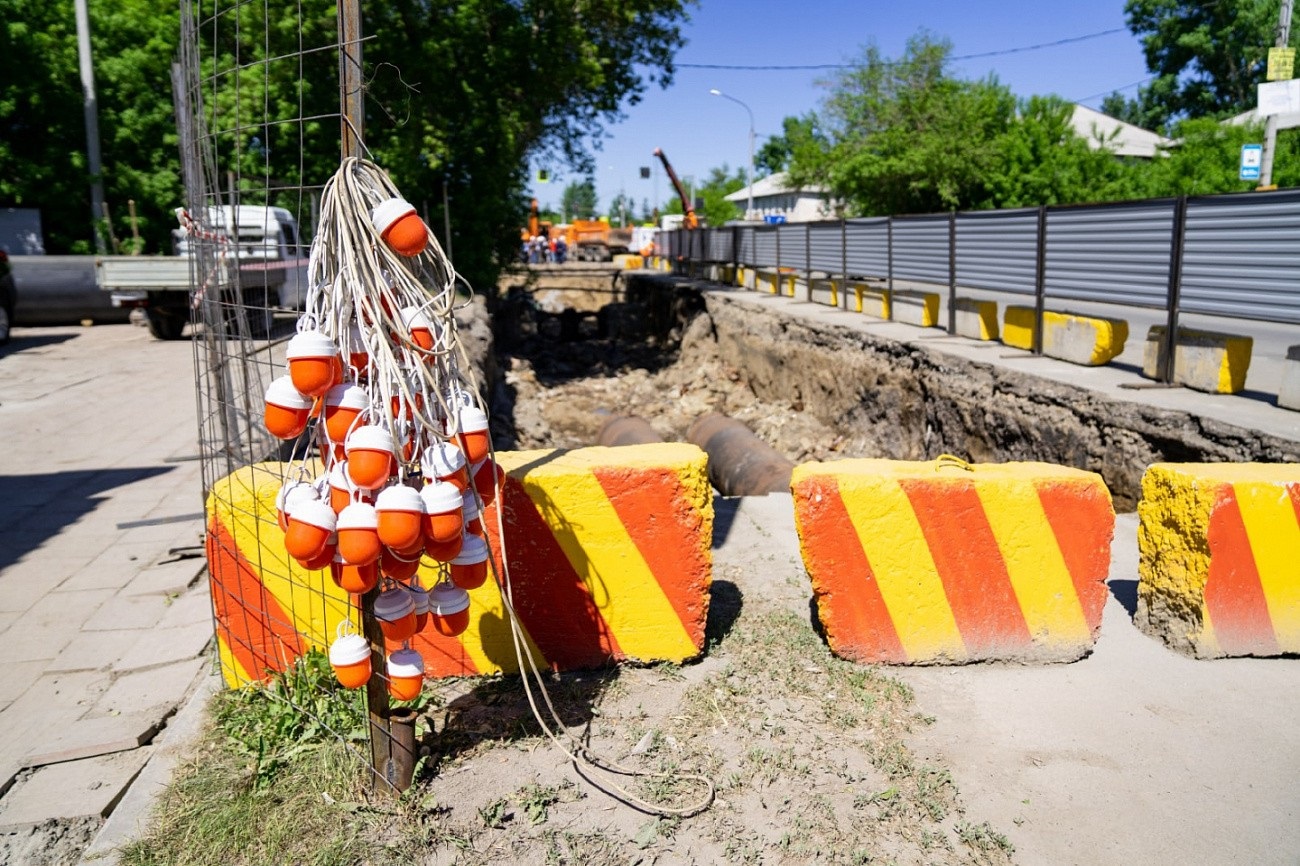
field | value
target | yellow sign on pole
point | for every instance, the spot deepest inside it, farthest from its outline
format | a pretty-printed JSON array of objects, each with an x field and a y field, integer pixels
[{"x": 1280, "y": 63}]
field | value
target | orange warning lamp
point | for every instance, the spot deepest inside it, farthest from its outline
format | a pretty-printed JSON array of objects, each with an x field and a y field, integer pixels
[
  {"x": 358, "y": 529},
  {"x": 400, "y": 227},
  {"x": 343, "y": 405},
  {"x": 350, "y": 657},
  {"x": 405, "y": 674},
  {"x": 287, "y": 409},
  {"x": 401, "y": 516},
  {"x": 449, "y": 606},
  {"x": 312, "y": 357},
  {"x": 395, "y": 610},
  {"x": 443, "y": 519},
  {"x": 420, "y": 327},
  {"x": 311, "y": 522},
  {"x": 474, "y": 433},
  {"x": 399, "y": 565},
  {"x": 445, "y": 462},
  {"x": 370, "y": 456},
  {"x": 357, "y": 579},
  {"x": 488, "y": 476},
  {"x": 469, "y": 568}
]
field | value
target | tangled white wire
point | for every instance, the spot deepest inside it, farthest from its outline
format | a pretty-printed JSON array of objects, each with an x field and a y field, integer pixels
[{"x": 370, "y": 302}]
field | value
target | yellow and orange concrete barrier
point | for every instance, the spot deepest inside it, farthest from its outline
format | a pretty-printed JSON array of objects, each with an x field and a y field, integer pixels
[
  {"x": 609, "y": 555},
  {"x": 1219, "y": 567},
  {"x": 942, "y": 562}
]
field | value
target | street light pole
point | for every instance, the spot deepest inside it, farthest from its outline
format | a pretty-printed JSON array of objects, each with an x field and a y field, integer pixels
[
  {"x": 1270, "y": 125},
  {"x": 749, "y": 210}
]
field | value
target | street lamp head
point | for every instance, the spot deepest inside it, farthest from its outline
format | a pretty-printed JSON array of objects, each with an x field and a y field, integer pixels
[{"x": 715, "y": 91}]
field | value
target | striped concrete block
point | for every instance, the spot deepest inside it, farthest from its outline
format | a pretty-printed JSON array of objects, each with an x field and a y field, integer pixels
[
  {"x": 1087, "y": 340},
  {"x": 916, "y": 308},
  {"x": 977, "y": 320},
  {"x": 609, "y": 553},
  {"x": 819, "y": 285},
  {"x": 768, "y": 281},
  {"x": 1203, "y": 360},
  {"x": 1288, "y": 393},
  {"x": 1219, "y": 567},
  {"x": 943, "y": 563}
]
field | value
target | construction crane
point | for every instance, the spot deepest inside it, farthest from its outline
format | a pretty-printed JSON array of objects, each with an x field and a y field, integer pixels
[{"x": 688, "y": 207}]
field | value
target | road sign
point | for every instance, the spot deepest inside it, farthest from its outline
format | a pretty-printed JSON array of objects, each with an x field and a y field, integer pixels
[
  {"x": 1278, "y": 97},
  {"x": 774, "y": 219},
  {"x": 1280, "y": 63},
  {"x": 1251, "y": 156}
]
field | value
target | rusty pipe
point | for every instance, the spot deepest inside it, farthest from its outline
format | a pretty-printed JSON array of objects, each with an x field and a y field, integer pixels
[
  {"x": 627, "y": 430},
  {"x": 740, "y": 464}
]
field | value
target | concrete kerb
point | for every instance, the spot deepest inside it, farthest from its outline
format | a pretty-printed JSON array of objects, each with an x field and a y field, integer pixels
[
  {"x": 1087, "y": 340},
  {"x": 1203, "y": 360},
  {"x": 130, "y": 818},
  {"x": 1288, "y": 396}
]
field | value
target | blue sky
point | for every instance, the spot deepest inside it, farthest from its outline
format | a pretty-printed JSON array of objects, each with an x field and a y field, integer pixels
[{"x": 699, "y": 131}]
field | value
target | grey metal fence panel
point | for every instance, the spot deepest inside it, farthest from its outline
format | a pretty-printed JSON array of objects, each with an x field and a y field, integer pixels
[
  {"x": 794, "y": 244},
  {"x": 824, "y": 247},
  {"x": 718, "y": 244},
  {"x": 868, "y": 247},
  {"x": 745, "y": 246},
  {"x": 998, "y": 250},
  {"x": 921, "y": 248},
  {"x": 1115, "y": 254},
  {"x": 764, "y": 247},
  {"x": 1241, "y": 256}
]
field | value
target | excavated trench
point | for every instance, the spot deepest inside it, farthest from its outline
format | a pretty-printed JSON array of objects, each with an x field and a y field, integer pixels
[{"x": 573, "y": 350}]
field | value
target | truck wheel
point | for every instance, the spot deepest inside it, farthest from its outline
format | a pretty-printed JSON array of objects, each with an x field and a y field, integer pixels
[{"x": 165, "y": 323}]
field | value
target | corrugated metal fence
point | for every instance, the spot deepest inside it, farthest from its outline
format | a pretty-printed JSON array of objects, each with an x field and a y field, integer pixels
[{"x": 1230, "y": 255}]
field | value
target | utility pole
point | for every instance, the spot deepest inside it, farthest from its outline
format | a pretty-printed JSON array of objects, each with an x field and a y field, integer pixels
[
  {"x": 93, "y": 161},
  {"x": 1270, "y": 125}
]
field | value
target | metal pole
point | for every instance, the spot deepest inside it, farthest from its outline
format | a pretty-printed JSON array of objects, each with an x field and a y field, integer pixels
[
  {"x": 889, "y": 264},
  {"x": 749, "y": 208},
  {"x": 807, "y": 262},
  {"x": 844, "y": 264},
  {"x": 1270, "y": 125},
  {"x": 1165, "y": 369},
  {"x": 351, "y": 103},
  {"x": 446, "y": 217},
  {"x": 1040, "y": 267},
  {"x": 952, "y": 272},
  {"x": 94, "y": 163}
]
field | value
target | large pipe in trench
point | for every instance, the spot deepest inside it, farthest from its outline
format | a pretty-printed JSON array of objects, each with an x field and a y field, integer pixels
[
  {"x": 627, "y": 430},
  {"x": 740, "y": 464}
]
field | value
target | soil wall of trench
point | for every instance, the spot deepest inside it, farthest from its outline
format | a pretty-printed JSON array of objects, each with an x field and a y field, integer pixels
[{"x": 905, "y": 401}]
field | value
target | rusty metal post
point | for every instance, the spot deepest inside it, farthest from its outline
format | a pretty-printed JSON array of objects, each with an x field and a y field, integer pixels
[
  {"x": 392, "y": 733},
  {"x": 1040, "y": 280}
]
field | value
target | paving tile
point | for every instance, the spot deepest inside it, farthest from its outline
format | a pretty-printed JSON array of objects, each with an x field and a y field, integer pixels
[
  {"x": 165, "y": 645},
  {"x": 127, "y": 612},
  {"x": 95, "y": 650},
  {"x": 195, "y": 606},
  {"x": 35, "y": 642},
  {"x": 89, "y": 738},
  {"x": 148, "y": 690},
  {"x": 53, "y": 701},
  {"x": 166, "y": 578},
  {"x": 23, "y": 584},
  {"x": 18, "y": 678},
  {"x": 76, "y": 789}
]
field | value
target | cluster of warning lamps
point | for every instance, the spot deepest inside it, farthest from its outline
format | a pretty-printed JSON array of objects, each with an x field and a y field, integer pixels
[{"x": 371, "y": 517}]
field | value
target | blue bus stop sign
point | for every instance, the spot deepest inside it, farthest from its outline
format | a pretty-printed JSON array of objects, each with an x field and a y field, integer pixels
[{"x": 1251, "y": 157}]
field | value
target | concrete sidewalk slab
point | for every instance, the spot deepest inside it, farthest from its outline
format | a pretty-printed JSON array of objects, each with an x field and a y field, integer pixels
[{"x": 76, "y": 789}]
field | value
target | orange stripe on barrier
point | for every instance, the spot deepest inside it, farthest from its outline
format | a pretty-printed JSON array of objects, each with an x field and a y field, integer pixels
[
  {"x": 549, "y": 596},
  {"x": 970, "y": 564},
  {"x": 672, "y": 555},
  {"x": 254, "y": 627},
  {"x": 1234, "y": 596},
  {"x": 1067, "y": 508},
  {"x": 863, "y": 627}
]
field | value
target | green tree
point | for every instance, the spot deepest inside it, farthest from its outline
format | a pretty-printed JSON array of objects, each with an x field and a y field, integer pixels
[
  {"x": 579, "y": 200},
  {"x": 1207, "y": 157},
  {"x": 1041, "y": 160},
  {"x": 801, "y": 140},
  {"x": 907, "y": 138},
  {"x": 1208, "y": 58}
]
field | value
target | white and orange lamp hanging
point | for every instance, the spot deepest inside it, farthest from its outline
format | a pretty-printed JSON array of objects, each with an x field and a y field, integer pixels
[
  {"x": 443, "y": 461},
  {"x": 469, "y": 568},
  {"x": 311, "y": 523},
  {"x": 358, "y": 531},
  {"x": 350, "y": 657},
  {"x": 400, "y": 227},
  {"x": 401, "y": 516},
  {"x": 449, "y": 609},
  {"x": 405, "y": 674},
  {"x": 370, "y": 456},
  {"x": 287, "y": 409},
  {"x": 313, "y": 362}
]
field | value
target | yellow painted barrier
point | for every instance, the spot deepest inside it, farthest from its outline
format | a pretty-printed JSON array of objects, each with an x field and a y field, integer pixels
[
  {"x": 769, "y": 281},
  {"x": 976, "y": 319},
  {"x": 609, "y": 553},
  {"x": 629, "y": 262},
  {"x": 870, "y": 300},
  {"x": 1203, "y": 360},
  {"x": 1219, "y": 558},
  {"x": 916, "y": 308},
  {"x": 1086, "y": 340},
  {"x": 942, "y": 562}
]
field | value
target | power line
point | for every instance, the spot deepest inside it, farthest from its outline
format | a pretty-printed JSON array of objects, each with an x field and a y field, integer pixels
[
  {"x": 1118, "y": 89},
  {"x": 821, "y": 66}
]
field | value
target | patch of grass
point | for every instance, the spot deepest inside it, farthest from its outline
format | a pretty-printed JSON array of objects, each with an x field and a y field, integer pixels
[
  {"x": 982, "y": 838},
  {"x": 535, "y": 800}
]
